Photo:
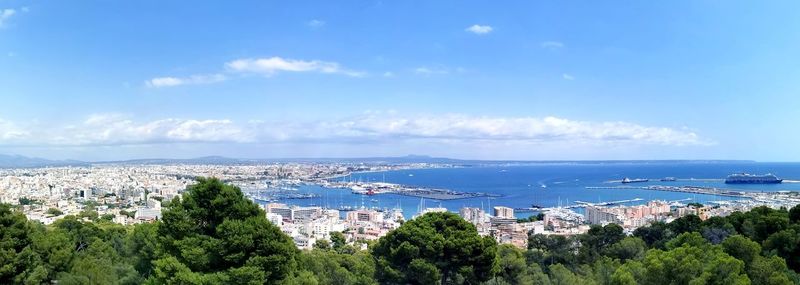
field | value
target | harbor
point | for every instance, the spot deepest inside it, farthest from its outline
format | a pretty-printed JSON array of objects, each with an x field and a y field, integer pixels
[
  {"x": 579, "y": 204},
  {"x": 378, "y": 188},
  {"x": 515, "y": 187}
]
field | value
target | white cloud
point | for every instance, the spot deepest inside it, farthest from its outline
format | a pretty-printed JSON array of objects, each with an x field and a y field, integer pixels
[
  {"x": 567, "y": 76},
  {"x": 388, "y": 74},
  {"x": 551, "y": 45},
  {"x": 478, "y": 29},
  {"x": 6, "y": 14},
  {"x": 10, "y": 132},
  {"x": 272, "y": 65},
  {"x": 375, "y": 127},
  {"x": 191, "y": 80},
  {"x": 520, "y": 129},
  {"x": 315, "y": 23},
  {"x": 263, "y": 66},
  {"x": 424, "y": 70},
  {"x": 114, "y": 129}
]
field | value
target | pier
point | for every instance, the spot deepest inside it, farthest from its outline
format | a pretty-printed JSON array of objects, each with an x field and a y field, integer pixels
[
  {"x": 682, "y": 189},
  {"x": 615, "y": 187},
  {"x": 608, "y": 203},
  {"x": 578, "y": 204},
  {"x": 378, "y": 188},
  {"x": 668, "y": 181}
]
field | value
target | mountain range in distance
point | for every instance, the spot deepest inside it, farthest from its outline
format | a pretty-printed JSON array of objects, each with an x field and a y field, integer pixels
[{"x": 19, "y": 161}]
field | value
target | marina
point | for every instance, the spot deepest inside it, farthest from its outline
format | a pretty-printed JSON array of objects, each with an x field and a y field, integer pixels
[
  {"x": 525, "y": 188},
  {"x": 377, "y": 188},
  {"x": 579, "y": 204}
]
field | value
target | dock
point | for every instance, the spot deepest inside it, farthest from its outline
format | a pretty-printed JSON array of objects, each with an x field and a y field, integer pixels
[
  {"x": 683, "y": 189},
  {"x": 608, "y": 203},
  {"x": 579, "y": 204},
  {"x": 615, "y": 187}
]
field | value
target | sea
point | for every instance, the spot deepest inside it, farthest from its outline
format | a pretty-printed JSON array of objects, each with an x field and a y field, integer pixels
[{"x": 551, "y": 184}]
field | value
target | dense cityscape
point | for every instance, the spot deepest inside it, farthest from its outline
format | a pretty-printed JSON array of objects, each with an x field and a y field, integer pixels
[{"x": 131, "y": 194}]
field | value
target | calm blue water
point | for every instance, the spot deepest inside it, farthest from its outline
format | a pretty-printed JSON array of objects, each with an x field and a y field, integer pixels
[{"x": 521, "y": 186}]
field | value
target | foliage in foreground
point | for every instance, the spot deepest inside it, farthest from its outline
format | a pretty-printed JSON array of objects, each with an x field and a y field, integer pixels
[{"x": 213, "y": 235}]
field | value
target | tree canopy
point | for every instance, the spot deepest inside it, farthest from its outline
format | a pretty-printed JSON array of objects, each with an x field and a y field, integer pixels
[
  {"x": 213, "y": 234},
  {"x": 435, "y": 247}
]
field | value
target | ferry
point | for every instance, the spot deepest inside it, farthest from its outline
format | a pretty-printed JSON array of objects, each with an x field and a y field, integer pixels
[
  {"x": 746, "y": 178},
  {"x": 635, "y": 180}
]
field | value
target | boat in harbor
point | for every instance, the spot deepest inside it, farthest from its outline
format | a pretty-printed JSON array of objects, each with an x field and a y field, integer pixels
[
  {"x": 635, "y": 180},
  {"x": 746, "y": 178},
  {"x": 669, "y": 179}
]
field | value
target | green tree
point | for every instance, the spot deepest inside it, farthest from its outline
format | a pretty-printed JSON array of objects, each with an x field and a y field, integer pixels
[
  {"x": 214, "y": 234},
  {"x": 107, "y": 217},
  {"x": 742, "y": 248},
  {"x": 99, "y": 264},
  {"x": 794, "y": 214},
  {"x": 513, "y": 268},
  {"x": 129, "y": 214},
  {"x": 717, "y": 229},
  {"x": 302, "y": 278},
  {"x": 603, "y": 269},
  {"x": 435, "y": 247},
  {"x": 692, "y": 260},
  {"x": 56, "y": 250},
  {"x": 532, "y": 218},
  {"x": 627, "y": 248},
  {"x": 769, "y": 270},
  {"x": 623, "y": 277},
  {"x": 561, "y": 275},
  {"x": 322, "y": 244},
  {"x": 339, "y": 243},
  {"x": 655, "y": 235},
  {"x": 15, "y": 240},
  {"x": 89, "y": 213},
  {"x": 785, "y": 244},
  {"x": 141, "y": 247},
  {"x": 760, "y": 222},
  {"x": 27, "y": 201},
  {"x": 546, "y": 250},
  {"x": 686, "y": 224},
  {"x": 330, "y": 267},
  {"x": 54, "y": 212},
  {"x": 597, "y": 239}
]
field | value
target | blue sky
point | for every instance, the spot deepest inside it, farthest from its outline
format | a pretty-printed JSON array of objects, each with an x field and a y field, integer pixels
[{"x": 100, "y": 80}]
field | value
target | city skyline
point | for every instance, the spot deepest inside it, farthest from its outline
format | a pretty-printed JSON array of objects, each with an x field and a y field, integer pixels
[{"x": 520, "y": 81}]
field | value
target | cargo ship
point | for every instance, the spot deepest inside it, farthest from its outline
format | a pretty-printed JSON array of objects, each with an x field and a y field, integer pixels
[
  {"x": 635, "y": 180},
  {"x": 745, "y": 178}
]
